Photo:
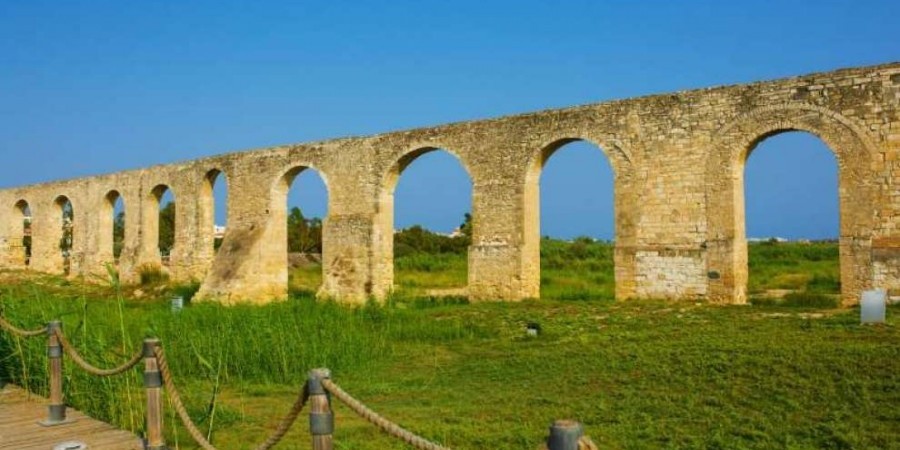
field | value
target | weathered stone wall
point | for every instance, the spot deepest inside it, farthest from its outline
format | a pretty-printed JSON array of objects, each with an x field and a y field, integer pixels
[{"x": 678, "y": 161}]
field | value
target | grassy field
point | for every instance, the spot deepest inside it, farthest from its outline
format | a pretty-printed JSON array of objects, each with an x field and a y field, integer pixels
[{"x": 644, "y": 374}]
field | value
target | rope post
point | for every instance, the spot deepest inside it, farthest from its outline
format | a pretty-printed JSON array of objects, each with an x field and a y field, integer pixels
[
  {"x": 321, "y": 418},
  {"x": 153, "y": 388},
  {"x": 564, "y": 435},
  {"x": 56, "y": 414}
]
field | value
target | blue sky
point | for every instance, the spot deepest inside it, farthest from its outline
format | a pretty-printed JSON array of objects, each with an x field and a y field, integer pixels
[{"x": 95, "y": 87}]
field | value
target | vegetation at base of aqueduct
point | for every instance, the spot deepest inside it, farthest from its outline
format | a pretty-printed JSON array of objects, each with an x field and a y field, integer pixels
[
  {"x": 640, "y": 374},
  {"x": 582, "y": 269}
]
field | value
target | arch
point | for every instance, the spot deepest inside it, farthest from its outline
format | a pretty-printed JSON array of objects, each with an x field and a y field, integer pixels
[
  {"x": 160, "y": 241},
  {"x": 726, "y": 240},
  {"x": 280, "y": 234},
  {"x": 111, "y": 232},
  {"x": 67, "y": 236},
  {"x": 392, "y": 175},
  {"x": 619, "y": 162},
  {"x": 22, "y": 233},
  {"x": 211, "y": 236},
  {"x": 384, "y": 217}
]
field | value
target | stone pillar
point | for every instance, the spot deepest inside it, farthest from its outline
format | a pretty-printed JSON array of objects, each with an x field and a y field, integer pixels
[
  {"x": 12, "y": 231},
  {"x": 347, "y": 258},
  {"x": 146, "y": 255},
  {"x": 501, "y": 265},
  {"x": 46, "y": 233},
  {"x": 251, "y": 265},
  {"x": 129, "y": 259}
]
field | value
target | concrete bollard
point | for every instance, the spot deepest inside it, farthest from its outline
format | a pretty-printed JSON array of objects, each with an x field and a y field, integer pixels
[
  {"x": 321, "y": 418},
  {"x": 872, "y": 306}
]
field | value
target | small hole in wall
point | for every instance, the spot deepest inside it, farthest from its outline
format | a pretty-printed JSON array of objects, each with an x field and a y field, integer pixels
[{"x": 713, "y": 275}]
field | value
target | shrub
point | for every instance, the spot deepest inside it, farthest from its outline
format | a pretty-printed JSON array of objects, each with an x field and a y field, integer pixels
[{"x": 152, "y": 274}]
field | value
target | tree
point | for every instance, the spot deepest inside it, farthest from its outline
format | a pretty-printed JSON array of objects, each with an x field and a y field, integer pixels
[
  {"x": 466, "y": 227},
  {"x": 26, "y": 239},
  {"x": 65, "y": 243},
  {"x": 304, "y": 235},
  {"x": 118, "y": 234},
  {"x": 167, "y": 228}
]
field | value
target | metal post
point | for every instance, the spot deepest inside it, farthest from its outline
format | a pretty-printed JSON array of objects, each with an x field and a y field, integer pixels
[
  {"x": 321, "y": 418},
  {"x": 153, "y": 388},
  {"x": 56, "y": 414},
  {"x": 564, "y": 435}
]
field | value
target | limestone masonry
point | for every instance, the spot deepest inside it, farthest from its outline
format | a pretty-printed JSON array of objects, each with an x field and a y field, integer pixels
[{"x": 678, "y": 161}]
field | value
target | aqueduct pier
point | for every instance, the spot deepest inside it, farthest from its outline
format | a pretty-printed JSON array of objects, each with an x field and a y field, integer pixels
[{"x": 677, "y": 159}]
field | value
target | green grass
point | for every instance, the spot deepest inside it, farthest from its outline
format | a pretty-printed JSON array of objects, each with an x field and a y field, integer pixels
[
  {"x": 642, "y": 374},
  {"x": 809, "y": 267}
]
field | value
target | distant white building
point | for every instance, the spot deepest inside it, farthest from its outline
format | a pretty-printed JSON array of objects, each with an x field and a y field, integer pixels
[
  {"x": 219, "y": 231},
  {"x": 767, "y": 239}
]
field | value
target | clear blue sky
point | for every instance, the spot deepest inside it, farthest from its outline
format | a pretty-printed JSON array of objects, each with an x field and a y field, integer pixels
[{"x": 101, "y": 86}]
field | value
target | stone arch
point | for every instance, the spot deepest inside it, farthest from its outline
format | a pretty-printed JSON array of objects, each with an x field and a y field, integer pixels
[
  {"x": 624, "y": 211},
  {"x": 383, "y": 278},
  {"x": 207, "y": 208},
  {"x": 151, "y": 225},
  {"x": 22, "y": 216},
  {"x": 66, "y": 236},
  {"x": 278, "y": 217},
  {"x": 106, "y": 222},
  {"x": 726, "y": 244}
]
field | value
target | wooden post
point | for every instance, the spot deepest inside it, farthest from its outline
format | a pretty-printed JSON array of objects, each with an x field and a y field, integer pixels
[
  {"x": 321, "y": 418},
  {"x": 56, "y": 414},
  {"x": 153, "y": 388},
  {"x": 564, "y": 435}
]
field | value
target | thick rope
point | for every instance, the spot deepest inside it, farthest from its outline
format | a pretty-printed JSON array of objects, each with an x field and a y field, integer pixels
[
  {"x": 192, "y": 429},
  {"x": 79, "y": 360},
  {"x": 386, "y": 425},
  {"x": 20, "y": 332}
]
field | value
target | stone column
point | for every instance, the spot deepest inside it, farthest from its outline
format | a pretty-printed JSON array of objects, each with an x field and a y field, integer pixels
[
  {"x": 46, "y": 233},
  {"x": 501, "y": 265}
]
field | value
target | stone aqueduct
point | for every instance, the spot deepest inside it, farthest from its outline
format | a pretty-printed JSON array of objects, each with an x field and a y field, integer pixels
[{"x": 678, "y": 164}]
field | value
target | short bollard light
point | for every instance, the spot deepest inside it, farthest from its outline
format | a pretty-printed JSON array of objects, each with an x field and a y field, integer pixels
[
  {"x": 872, "y": 306},
  {"x": 564, "y": 435},
  {"x": 532, "y": 329},
  {"x": 177, "y": 303}
]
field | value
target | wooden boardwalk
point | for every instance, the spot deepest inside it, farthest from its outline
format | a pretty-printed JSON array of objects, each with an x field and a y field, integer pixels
[{"x": 20, "y": 413}]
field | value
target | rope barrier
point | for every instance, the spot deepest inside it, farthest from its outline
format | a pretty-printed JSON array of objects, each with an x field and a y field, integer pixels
[
  {"x": 192, "y": 429},
  {"x": 80, "y": 361},
  {"x": 20, "y": 332},
  {"x": 375, "y": 419},
  {"x": 284, "y": 426}
]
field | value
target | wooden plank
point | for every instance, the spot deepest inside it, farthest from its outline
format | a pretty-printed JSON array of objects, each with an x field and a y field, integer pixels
[{"x": 20, "y": 413}]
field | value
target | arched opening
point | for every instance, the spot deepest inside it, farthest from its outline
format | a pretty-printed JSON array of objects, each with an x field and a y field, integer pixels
[
  {"x": 792, "y": 211},
  {"x": 163, "y": 231},
  {"x": 428, "y": 200},
  {"x": 301, "y": 196},
  {"x": 570, "y": 205},
  {"x": 112, "y": 225},
  {"x": 23, "y": 235},
  {"x": 67, "y": 224},
  {"x": 726, "y": 243},
  {"x": 216, "y": 193}
]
